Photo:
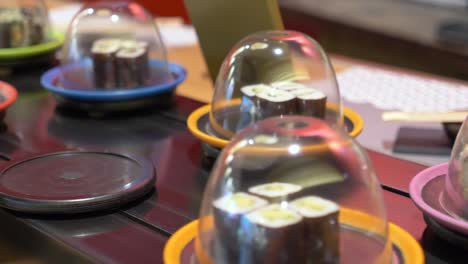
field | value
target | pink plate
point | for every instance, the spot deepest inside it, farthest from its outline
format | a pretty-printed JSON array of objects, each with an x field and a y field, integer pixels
[{"x": 426, "y": 190}]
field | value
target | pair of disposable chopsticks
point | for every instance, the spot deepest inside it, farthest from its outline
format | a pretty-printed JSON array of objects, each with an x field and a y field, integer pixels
[{"x": 442, "y": 117}]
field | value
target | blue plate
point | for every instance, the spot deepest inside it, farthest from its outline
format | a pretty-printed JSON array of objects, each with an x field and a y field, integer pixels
[{"x": 50, "y": 79}]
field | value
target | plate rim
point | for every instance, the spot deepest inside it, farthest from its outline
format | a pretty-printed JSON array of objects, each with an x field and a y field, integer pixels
[
  {"x": 410, "y": 248},
  {"x": 197, "y": 114},
  {"x": 80, "y": 205},
  {"x": 113, "y": 95},
  {"x": 416, "y": 186},
  {"x": 12, "y": 95}
]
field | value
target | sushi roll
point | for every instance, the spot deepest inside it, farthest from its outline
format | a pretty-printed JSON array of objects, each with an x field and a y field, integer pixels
[
  {"x": 132, "y": 67},
  {"x": 228, "y": 212},
  {"x": 35, "y": 23},
  {"x": 275, "y": 102},
  {"x": 12, "y": 29},
  {"x": 250, "y": 104},
  {"x": 250, "y": 92},
  {"x": 322, "y": 229},
  {"x": 275, "y": 192},
  {"x": 134, "y": 44},
  {"x": 103, "y": 53},
  {"x": 274, "y": 234},
  {"x": 311, "y": 102}
]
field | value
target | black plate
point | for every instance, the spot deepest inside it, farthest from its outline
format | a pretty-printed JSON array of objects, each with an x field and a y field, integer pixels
[
  {"x": 447, "y": 234},
  {"x": 74, "y": 182}
]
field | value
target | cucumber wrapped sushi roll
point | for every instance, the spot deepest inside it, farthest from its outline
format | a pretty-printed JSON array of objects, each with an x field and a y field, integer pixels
[
  {"x": 311, "y": 102},
  {"x": 274, "y": 102},
  {"x": 275, "y": 192},
  {"x": 228, "y": 212},
  {"x": 275, "y": 235},
  {"x": 103, "y": 53},
  {"x": 322, "y": 229}
]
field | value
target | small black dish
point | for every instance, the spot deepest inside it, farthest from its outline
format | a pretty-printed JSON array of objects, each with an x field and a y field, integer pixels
[{"x": 453, "y": 237}]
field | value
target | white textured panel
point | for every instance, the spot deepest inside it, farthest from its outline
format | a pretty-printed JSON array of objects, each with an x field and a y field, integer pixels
[{"x": 395, "y": 91}]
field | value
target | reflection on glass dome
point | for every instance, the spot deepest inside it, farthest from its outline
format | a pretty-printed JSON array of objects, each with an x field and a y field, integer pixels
[
  {"x": 292, "y": 190},
  {"x": 113, "y": 45},
  {"x": 274, "y": 73},
  {"x": 23, "y": 23},
  {"x": 456, "y": 183}
]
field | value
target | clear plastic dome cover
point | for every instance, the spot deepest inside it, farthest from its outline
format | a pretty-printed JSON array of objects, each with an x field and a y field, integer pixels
[
  {"x": 113, "y": 45},
  {"x": 23, "y": 23},
  {"x": 292, "y": 190},
  {"x": 456, "y": 182},
  {"x": 274, "y": 73}
]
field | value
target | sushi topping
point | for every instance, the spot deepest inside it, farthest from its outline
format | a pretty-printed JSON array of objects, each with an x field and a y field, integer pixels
[
  {"x": 314, "y": 206},
  {"x": 252, "y": 90},
  {"x": 308, "y": 94},
  {"x": 274, "y": 216},
  {"x": 239, "y": 203},
  {"x": 276, "y": 95},
  {"x": 275, "y": 189},
  {"x": 106, "y": 46},
  {"x": 288, "y": 86},
  {"x": 126, "y": 44},
  {"x": 131, "y": 52}
]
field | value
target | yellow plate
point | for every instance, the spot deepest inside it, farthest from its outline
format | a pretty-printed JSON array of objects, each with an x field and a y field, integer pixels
[
  {"x": 181, "y": 245},
  {"x": 199, "y": 120}
]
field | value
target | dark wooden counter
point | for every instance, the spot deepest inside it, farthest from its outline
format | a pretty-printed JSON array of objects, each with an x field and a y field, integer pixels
[{"x": 136, "y": 233}]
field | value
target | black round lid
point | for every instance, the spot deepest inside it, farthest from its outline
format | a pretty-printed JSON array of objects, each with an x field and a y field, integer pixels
[{"x": 73, "y": 182}]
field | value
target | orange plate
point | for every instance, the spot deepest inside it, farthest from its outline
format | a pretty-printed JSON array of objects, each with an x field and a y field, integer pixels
[
  {"x": 181, "y": 245},
  {"x": 201, "y": 115}
]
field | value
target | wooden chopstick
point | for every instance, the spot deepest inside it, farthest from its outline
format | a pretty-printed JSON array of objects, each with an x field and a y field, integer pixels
[{"x": 442, "y": 117}]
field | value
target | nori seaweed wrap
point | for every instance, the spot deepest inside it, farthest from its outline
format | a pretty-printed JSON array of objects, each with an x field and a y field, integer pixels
[
  {"x": 228, "y": 212},
  {"x": 275, "y": 103},
  {"x": 275, "y": 234},
  {"x": 322, "y": 229},
  {"x": 311, "y": 102},
  {"x": 104, "y": 66},
  {"x": 133, "y": 44},
  {"x": 132, "y": 67}
]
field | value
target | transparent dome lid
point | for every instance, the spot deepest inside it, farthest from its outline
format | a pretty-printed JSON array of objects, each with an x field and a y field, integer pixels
[
  {"x": 456, "y": 182},
  {"x": 113, "y": 45},
  {"x": 23, "y": 23},
  {"x": 293, "y": 190},
  {"x": 274, "y": 73}
]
